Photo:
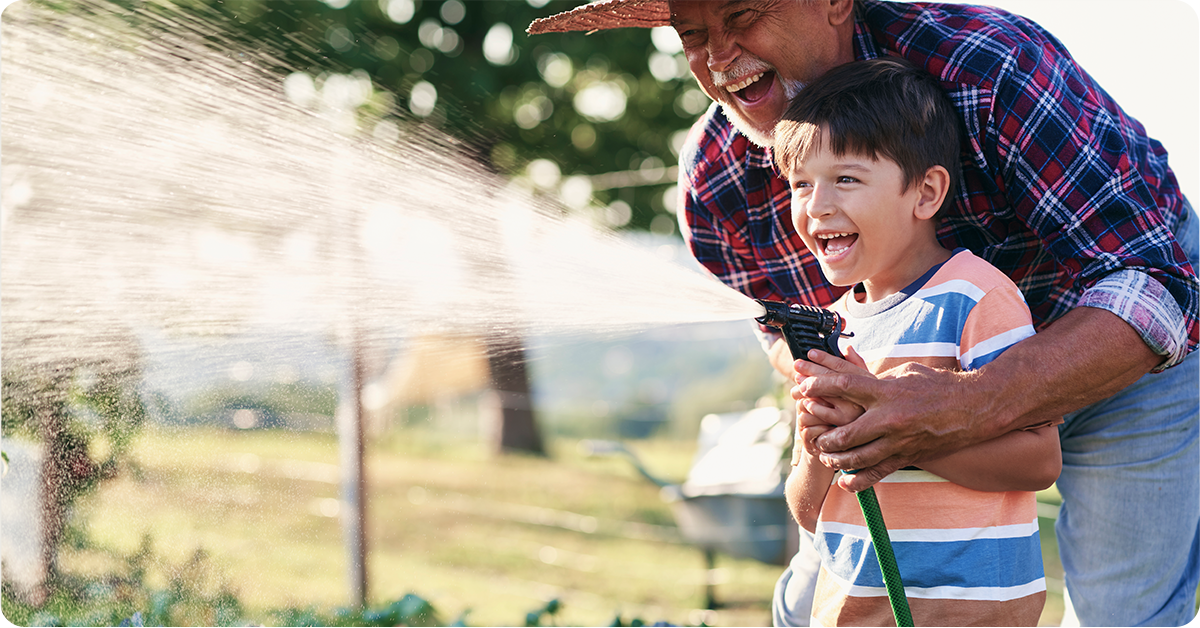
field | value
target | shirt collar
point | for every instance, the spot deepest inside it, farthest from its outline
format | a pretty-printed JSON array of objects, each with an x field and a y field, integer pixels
[{"x": 865, "y": 46}]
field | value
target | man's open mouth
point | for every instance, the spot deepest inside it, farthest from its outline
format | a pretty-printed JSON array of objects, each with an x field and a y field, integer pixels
[{"x": 752, "y": 88}]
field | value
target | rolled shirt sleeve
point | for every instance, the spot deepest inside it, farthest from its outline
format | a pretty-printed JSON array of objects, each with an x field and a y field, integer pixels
[{"x": 1140, "y": 300}]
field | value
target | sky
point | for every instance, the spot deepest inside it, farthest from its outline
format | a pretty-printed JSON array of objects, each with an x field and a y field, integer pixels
[{"x": 1146, "y": 54}]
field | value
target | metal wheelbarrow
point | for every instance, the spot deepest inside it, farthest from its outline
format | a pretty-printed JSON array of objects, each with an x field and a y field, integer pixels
[{"x": 732, "y": 500}]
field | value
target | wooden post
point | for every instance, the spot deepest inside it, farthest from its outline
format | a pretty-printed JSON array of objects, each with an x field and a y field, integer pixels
[{"x": 353, "y": 485}]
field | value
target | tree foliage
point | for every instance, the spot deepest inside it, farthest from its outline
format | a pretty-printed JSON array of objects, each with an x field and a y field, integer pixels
[{"x": 560, "y": 110}]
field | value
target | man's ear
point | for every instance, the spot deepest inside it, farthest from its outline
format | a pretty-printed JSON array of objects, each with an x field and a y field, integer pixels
[
  {"x": 840, "y": 11},
  {"x": 932, "y": 192}
]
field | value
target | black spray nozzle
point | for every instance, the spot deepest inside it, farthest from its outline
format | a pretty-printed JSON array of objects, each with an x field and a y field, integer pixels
[{"x": 804, "y": 327}]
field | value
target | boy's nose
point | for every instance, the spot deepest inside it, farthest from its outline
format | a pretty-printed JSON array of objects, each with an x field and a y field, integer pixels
[{"x": 819, "y": 202}]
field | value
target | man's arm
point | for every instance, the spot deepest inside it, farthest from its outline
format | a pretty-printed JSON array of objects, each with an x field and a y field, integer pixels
[{"x": 915, "y": 413}]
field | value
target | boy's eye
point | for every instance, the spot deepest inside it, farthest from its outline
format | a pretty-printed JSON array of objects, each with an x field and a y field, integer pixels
[{"x": 846, "y": 179}]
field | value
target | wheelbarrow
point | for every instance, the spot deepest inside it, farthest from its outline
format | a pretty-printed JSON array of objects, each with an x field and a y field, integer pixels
[{"x": 732, "y": 500}]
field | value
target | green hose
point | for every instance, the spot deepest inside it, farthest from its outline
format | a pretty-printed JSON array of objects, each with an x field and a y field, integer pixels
[{"x": 887, "y": 559}]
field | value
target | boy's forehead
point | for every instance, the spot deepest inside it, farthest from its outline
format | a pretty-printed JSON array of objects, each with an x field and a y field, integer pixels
[
  {"x": 810, "y": 141},
  {"x": 841, "y": 161}
]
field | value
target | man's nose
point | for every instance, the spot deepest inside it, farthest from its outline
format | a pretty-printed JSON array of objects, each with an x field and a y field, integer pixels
[{"x": 722, "y": 51}]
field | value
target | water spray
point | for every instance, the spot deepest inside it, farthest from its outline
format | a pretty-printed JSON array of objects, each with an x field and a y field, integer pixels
[
  {"x": 161, "y": 178},
  {"x": 805, "y": 328}
]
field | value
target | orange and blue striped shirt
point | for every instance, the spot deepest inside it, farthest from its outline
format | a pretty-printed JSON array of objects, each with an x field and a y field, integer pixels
[{"x": 967, "y": 557}]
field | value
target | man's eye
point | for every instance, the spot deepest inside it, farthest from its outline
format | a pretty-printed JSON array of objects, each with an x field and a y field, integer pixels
[
  {"x": 691, "y": 38},
  {"x": 741, "y": 19}
]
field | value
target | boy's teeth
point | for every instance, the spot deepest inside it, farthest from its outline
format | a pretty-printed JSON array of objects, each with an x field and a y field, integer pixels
[
  {"x": 736, "y": 87},
  {"x": 834, "y": 247},
  {"x": 831, "y": 246}
]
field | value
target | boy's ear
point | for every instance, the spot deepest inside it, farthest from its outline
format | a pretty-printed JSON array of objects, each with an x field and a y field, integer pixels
[{"x": 933, "y": 189}]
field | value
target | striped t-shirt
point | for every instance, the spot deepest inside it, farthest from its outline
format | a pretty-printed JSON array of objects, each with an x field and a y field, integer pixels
[{"x": 966, "y": 557}]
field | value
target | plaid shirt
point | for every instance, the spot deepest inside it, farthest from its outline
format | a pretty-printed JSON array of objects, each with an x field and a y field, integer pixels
[{"x": 1061, "y": 190}]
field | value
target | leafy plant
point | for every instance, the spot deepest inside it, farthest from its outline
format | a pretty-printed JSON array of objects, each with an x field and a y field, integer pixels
[
  {"x": 123, "y": 597},
  {"x": 534, "y": 617}
]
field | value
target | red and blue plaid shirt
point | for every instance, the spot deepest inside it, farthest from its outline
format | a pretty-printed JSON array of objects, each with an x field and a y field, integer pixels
[{"x": 1061, "y": 189}]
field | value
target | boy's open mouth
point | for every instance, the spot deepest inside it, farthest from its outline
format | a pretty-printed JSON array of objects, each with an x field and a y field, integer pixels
[
  {"x": 752, "y": 88},
  {"x": 833, "y": 243}
]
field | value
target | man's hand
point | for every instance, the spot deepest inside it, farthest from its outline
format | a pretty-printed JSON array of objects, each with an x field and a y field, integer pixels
[
  {"x": 915, "y": 413},
  {"x": 881, "y": 442}
]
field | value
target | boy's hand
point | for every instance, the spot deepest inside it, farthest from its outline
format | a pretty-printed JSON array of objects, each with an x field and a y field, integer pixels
[{"x": 819, "y": 415}]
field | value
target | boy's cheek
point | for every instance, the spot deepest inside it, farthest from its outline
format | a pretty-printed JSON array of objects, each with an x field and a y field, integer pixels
[
  {"x": 799, "y": 220},
  {"x": 802, "y": 230}
]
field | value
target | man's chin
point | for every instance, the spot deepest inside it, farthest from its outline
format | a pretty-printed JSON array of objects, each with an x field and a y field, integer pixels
[
  {"x": 762, "y": 137},
  {"x": 759, "y": 137}
]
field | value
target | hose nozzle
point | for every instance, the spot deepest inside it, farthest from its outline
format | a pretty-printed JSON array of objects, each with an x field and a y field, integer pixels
[{"x": 804, "y": 327}]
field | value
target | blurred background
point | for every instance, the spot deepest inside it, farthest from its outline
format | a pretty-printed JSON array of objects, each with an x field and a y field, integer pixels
[
  {"x": 260, "y": 367},
  {"x": 233, "y": 397}
]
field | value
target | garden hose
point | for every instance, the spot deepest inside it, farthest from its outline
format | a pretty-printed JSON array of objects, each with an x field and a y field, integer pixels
[{"x": 887, "y": 559}]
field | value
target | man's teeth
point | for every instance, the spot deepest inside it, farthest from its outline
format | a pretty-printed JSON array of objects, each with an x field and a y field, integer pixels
[{"x": 737, "y": 87}]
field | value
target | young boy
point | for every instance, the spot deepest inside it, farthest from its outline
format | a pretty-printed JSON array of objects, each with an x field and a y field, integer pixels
[{"x": 870, "y": 152}]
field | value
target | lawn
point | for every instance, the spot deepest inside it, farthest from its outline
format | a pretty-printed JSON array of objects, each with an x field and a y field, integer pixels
[{"x": 491, "y": 537}]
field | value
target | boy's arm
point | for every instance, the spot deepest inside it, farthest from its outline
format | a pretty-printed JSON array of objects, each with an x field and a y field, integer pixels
[
  {"x": 806, "y": 488},
  {"x": 1023, "y": 460}
]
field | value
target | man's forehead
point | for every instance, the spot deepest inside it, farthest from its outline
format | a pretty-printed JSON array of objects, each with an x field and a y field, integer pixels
[{"x": 681, "y": 10}]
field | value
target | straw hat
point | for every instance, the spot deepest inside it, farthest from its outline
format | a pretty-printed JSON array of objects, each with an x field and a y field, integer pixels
[{"x": 606, "y": 14}]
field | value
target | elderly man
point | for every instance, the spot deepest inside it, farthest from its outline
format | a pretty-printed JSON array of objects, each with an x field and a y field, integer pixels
[{"x": 1062, "y": 190}]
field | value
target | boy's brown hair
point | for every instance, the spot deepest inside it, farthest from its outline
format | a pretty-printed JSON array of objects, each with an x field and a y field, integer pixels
[{"x": 883, "y": 107}]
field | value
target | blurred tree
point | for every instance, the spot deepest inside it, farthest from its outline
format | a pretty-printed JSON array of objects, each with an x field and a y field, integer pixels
[
  {"x": 75, "y": 408},
  {"x": 590, "y": 122},
  {"x": 593, "y": 121},
  {"x": 71, "y": 369}
]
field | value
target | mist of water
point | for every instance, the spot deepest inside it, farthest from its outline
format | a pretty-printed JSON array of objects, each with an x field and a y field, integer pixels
[{"x": 156, "y": 175}]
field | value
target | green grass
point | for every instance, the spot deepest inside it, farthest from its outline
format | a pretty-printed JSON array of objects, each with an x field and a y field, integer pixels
[
  {"x": 489, "y": 537},
  {"x": 495, "y": 537},
  {"x": 1049, "y": 500},
  {"x": 461, "y": 528}
]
